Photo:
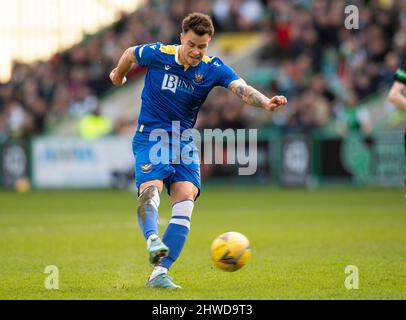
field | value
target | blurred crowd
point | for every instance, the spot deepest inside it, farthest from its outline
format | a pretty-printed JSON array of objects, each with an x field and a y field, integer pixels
[
  {"x": 328, "y": 71},
  {"x": 323, "y": 68}
]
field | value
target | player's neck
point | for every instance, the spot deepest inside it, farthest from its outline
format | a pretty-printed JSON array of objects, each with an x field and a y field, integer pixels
[
  {"x": 183, "y": 61},
  {"x": 180, "y": 56}
]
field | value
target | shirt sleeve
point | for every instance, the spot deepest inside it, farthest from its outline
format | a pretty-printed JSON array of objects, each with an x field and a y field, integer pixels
[
  {"x": 145, "y": 53},
  {"x": 400, "y": 74},
  {"x": 225, "y": 74}
]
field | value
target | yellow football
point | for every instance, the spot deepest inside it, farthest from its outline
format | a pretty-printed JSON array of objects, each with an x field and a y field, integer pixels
[{"x": 230, "y": 251}]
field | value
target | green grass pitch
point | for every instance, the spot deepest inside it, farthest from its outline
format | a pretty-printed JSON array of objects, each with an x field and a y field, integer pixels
[{"x": 301, "y": 243}]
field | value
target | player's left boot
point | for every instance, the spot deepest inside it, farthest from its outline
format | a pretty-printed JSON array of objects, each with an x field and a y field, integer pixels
[{"x": 162, "y": 281}]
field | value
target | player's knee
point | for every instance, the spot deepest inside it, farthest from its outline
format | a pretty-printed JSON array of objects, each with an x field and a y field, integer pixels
[
  {"x": 185, "y": 196},
  {"x": 183, "y": 192},
  {"x": 189, "y": 195},
  {"x": 156, "y": 183}
]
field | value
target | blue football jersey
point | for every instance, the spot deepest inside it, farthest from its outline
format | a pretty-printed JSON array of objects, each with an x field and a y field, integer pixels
[{"x": 174, "y": 92}]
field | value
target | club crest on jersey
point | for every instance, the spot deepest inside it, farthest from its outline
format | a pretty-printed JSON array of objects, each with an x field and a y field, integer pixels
[
  {"x": 198, "y": 78},
  {"x": 146, "y": 168}
]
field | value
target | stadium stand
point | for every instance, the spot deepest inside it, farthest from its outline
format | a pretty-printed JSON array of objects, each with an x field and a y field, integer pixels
[{"x": 329, "y": 74}]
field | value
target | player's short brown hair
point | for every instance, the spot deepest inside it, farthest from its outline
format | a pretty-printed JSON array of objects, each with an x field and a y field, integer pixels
[{"x": 200, "y": 23}]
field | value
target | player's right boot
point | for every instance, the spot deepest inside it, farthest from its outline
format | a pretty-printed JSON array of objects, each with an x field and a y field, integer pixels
[
  {"x": 162, "y": 281},
  {"x": 157, "y": 250}
]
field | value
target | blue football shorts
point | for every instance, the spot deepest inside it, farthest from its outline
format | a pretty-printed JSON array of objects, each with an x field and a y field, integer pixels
[{"x": 169, "y": 159}]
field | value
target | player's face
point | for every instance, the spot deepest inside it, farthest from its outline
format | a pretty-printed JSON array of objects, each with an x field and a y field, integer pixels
[{"x": 194, "y": 47}]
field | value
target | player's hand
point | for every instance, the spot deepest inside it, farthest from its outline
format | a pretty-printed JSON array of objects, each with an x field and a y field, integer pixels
[
  {"x": 116, "y": 79},
  {"x": 276, "y": 102}
]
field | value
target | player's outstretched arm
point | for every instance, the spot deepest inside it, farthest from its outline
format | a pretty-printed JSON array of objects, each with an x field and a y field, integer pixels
[
  {"x": 126, "y": 62},
  {"x": 255, "y": 98},
  {"x": 396, "y": 95}
]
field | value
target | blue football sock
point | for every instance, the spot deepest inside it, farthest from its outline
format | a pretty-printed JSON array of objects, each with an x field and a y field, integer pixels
[
  {"x": 147, "y": 212},
  {"x": 177, "y": 231}
]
